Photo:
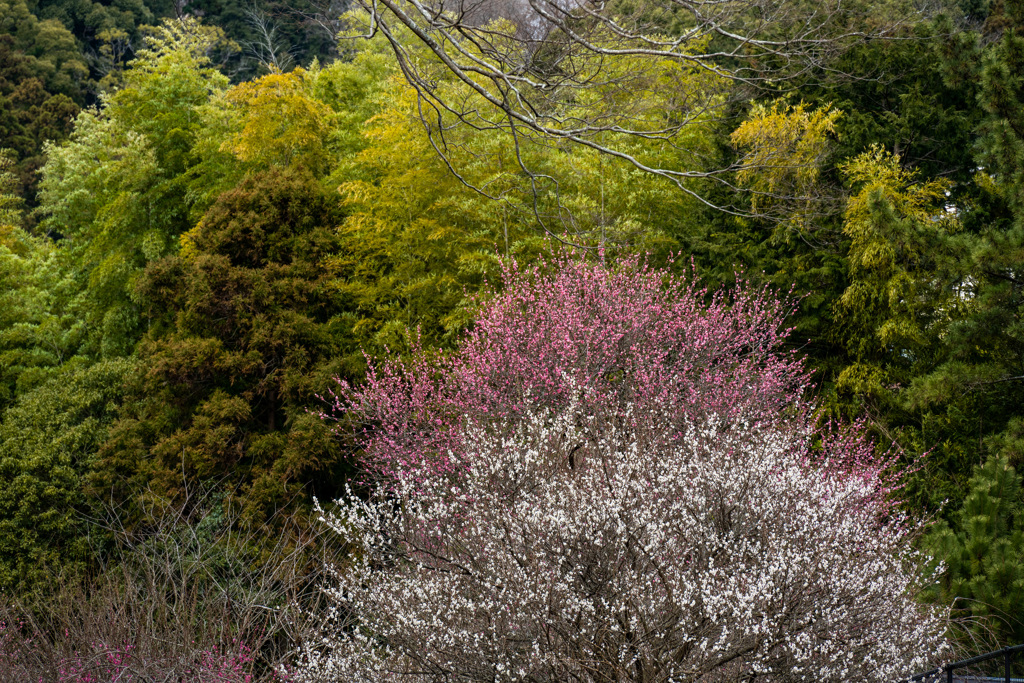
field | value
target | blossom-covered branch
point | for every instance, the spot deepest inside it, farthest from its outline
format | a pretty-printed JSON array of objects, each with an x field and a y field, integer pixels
[{"x": 630, "y": 335}]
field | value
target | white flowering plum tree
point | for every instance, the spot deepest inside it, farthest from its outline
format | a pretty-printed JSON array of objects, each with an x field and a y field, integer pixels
[{"x": 648, "y": 508}]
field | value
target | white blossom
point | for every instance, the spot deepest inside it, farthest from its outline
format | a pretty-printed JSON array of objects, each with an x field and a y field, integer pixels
[{"x": 573, "y": 547}]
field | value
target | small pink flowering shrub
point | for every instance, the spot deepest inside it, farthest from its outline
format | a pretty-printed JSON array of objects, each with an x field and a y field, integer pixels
[
  {"x": 29, "y": 657},
  {"x": 114, "y": 664},
  {"x": 612, "y": 480}
]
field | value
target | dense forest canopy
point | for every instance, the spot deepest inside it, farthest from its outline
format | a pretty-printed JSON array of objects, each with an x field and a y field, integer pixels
[{"x": 212, "y": 211}]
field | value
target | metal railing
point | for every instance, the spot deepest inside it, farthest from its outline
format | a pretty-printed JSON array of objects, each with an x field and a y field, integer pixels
[{"x": 981, "y": 669}]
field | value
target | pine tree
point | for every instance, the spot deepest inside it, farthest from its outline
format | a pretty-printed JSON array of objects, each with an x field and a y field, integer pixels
[
  {"x": 970, "y": 398},
  {"x": 983, "y": 555}
]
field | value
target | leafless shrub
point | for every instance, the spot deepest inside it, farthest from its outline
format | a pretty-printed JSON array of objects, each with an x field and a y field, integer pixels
[
  {"x": 267, "y": 49},
  {"x": 195, "y": 595}
]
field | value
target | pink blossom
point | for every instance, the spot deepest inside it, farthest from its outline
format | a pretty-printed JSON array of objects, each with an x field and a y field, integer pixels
[{"x": 626, "y": 335}]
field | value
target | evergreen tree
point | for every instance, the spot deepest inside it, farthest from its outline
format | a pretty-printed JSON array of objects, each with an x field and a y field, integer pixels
[
  {"x": 43, "y": 80},
  {"x": 983, "y": 554},
  {"x": 245, "y": 328},
  {"x": 969, "y": 400},
  {"x": 37, "y": 331},
  {"x": 46, "y": 48}
]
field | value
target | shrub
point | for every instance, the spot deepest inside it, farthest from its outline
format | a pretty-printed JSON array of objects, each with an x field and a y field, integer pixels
[{"x": 195, "y": 596}]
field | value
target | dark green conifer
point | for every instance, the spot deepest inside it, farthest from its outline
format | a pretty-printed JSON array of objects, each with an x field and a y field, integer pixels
[
  {"x": 244, "y": 329},
  {"x": 983, "y": 554}
]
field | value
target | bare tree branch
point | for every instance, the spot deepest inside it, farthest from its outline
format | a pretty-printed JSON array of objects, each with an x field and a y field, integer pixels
[
  {"x": 267, "y": 49},
  {"x": 630, "y": 80}
]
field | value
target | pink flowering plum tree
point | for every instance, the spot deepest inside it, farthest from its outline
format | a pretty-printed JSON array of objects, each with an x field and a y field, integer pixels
[
  {"x": 620, "y": 337},
  {"x": 613, "y": 480}
]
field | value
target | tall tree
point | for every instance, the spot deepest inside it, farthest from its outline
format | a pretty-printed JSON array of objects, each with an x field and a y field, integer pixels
[
  {"x": 983, "y": 576},
  {"x": 612, "y": 481},
  {"x": 968, "y": 397},
  {"x": 245, "y": 326}
]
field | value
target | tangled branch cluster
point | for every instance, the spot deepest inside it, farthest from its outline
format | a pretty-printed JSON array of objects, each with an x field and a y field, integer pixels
[{"x": 637, "y": 81}]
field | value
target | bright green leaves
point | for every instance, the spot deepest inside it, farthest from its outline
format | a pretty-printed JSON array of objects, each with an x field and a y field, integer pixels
[
  {"x": 91, "y": 185},
  {"x": 35, "y": 333},
  {"x": 414, "y": 239},
  {"x": 117, "y": 189},
  {"x": 96, "y": 190},
  {"x": 418, "y": 238},
  {"x": 10, "y": 200},
  {"x": 562, "y": 181},
  {"x": 165, "y": 86},
  {"x": 39, "y": 331}
]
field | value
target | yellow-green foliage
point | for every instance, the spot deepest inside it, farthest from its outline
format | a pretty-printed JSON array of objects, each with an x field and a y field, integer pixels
[
  {"x": 281, "y": 121},
  {"x": 117, "y": 188},
  {"x": 783, "y": 148},
  {"x": 562, "y": 185},
  {"x": 10, "y": 201},
  {"x": 879, "y": 172},
  {"x": 434, "y": 202},
  {"x": 896, "y": 225},
  {"x": 166, "y": 84}
]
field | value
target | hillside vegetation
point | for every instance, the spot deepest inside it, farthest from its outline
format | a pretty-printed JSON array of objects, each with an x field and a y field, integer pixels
[{"x": 214, "y": 216}]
